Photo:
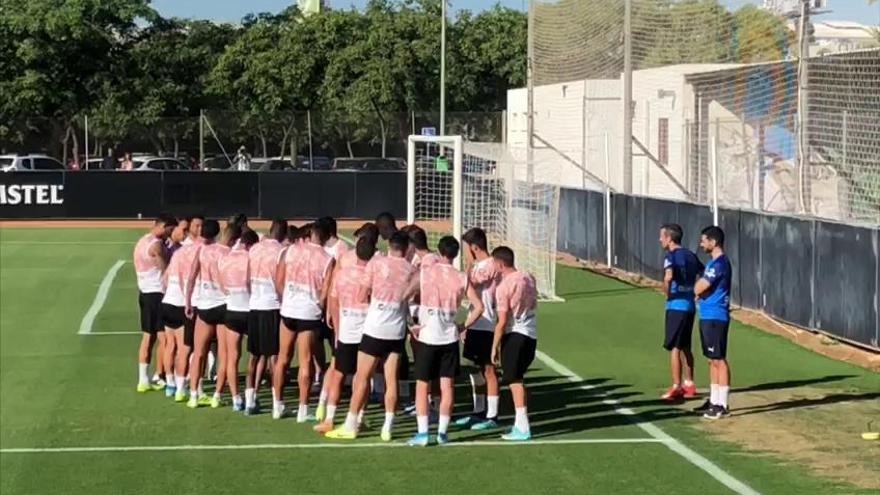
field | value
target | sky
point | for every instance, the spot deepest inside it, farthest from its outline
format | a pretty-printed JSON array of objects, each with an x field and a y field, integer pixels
[{"x": 234, "y": 10}]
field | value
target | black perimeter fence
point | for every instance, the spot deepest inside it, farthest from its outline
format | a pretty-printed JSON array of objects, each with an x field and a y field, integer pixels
[
  {"x": 105, "y": 195},
  {"x": 814, "y": 274}
]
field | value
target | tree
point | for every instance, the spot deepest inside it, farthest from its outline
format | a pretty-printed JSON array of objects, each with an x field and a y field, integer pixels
[
  {"x": 670, "y": 32},
  {"x": 761, "y": 36}
]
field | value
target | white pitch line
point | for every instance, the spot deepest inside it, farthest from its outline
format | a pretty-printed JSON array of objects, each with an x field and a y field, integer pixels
[
  {"x": 113, "y": 333},
  {"x": 676, "y": 446},
  {"x": 85, "y": 327},
  {"x": 293, "y": 446}
]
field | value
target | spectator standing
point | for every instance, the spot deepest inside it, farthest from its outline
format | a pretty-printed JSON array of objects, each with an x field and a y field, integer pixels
[
  {"x": 242, "y": 160},
  {"x": 109, "y": 161},
  {"x": 127, "y": 162}
]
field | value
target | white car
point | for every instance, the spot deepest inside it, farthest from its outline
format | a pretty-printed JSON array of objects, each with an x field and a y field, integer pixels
[
  {"x": 29, "y": 163},
  {"x": 157, "y": 163}
]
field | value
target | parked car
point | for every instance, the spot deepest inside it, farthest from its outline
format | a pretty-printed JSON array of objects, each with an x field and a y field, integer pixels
[
  {"x": 369, "y": 164},
  {"x": 153, "y": 163},
  {"x": 319, "y": 162},
  {"x": 216, "y": 163},
  {"x": 29, "y": 163}
]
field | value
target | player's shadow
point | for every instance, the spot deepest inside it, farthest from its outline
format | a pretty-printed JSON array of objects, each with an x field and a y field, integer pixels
[
  {"x": 805, "y": 402},
  {"x": 793, "y": 383},
  {"x": 590, "y": 294}
]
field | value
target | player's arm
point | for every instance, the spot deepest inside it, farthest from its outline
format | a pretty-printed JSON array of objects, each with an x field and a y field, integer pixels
[
  {"x": 325, "y": 287},
  {"x": 280, "y": 273},
  {"x": 667, "y": 281},
  {"x": 221, "y": 280},
  {"x": 476, "y": 307},
  {"x": 190, "y": 286},
  {"x": 363, "y": 295},
  {"x": 705, "y": 283},
  {"x": 157, "y": 256},
  {"x": 503, "y": 315}
]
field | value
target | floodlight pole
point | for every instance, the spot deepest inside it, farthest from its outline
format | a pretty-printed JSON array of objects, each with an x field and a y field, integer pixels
[
  {"x": 627, "y": 98},
  {"x": 443, "y": 68}
]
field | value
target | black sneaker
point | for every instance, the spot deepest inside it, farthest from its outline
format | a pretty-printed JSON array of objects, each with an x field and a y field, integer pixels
[
  {"x": 717, "y": 412},
  {"x": 707, "y": 405}
]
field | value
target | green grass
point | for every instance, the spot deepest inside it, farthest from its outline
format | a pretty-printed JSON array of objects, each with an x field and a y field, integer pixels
[{"x": 60, "y": 389}]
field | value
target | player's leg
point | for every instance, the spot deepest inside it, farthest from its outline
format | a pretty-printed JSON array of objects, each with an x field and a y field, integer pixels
[
  {"x": 425, "y": 372},
  {"x": 321, "y": 411},
  {"x": 182, "y": 366},
  {"x": 151, "y": 324},
  {"x": 287, "y": 337},
  {"x": 366, "y": 366},
  {"x": 222, "y": 331},
  {"x": 181, "y": 360},
  {"x": 145, "y": 351},
  {"x": 517, "y": 354},
  {"x": 159, "y": 373},
  {"x": 233, "y": 355},
  {"x": 306, "y": 342},
  {"x": 392, "y": 367},
  {"x": 721, "y": 370},
  {"x": 204, "y": 333},
  {"x": 448, "y": 368},
  {"x": 687, "y": 357},
  {"x": 169, "y": 351}
]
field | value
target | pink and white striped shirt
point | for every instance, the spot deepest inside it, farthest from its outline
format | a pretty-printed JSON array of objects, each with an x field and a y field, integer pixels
[
  {"x": 388, "y": 278},
  {"x": 517, "y": 295},
  {"x": 264, "y": 258},
  {"x": 210, "y": 295},
  {"x": 442, "y": 288},
  {"x": 149, "y": 276},
  {"x": 306, "y": 266},
  {"x": 233, "y": 268}
]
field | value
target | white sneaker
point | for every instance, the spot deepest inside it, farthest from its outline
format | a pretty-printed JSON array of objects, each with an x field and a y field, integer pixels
[{"x": 278, "y": 412}]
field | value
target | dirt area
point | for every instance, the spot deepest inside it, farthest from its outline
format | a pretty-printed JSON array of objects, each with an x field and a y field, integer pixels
[
  {"x": 792, "y": 424},
  {"x": 816, "y": 342}
]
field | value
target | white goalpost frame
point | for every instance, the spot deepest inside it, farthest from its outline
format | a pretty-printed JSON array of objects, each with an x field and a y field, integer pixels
[{"x": 457, "y": 173}]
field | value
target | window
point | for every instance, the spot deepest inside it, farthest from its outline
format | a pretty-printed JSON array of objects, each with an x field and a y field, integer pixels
[
  {"x": 47, "y": 164},
  {"x": 663, "y": 141},
  {"x": 25, "y": 163},
  {"x": 156, "y": 164}
]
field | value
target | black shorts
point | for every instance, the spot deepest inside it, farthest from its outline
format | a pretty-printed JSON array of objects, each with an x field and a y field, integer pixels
[
  {"x": 346, "y": 358},
  {"x": 478, "y": 347},
  {"x": 679, "y": 327},
  {"x": 297, "y": 325},
  {"x": 436, "y": 361},
  {"x": 263, "y": 326},
  {"x": 213, "y": 316},
  {"x": 326, "y": 332},
  {"x": 172, "y": 316},
  {"x": 713, "y": 336},
  {"x": 150, "y": 305},
  {"x": 517, "y": 354},
  {"x": 237, "y": 321},
  {"x": 189, "y": 330},
  {"x": 381, "y": 348}
]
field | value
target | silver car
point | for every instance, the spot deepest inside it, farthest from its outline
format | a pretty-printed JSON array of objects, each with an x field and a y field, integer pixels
[{"x": 29, "y": 163}]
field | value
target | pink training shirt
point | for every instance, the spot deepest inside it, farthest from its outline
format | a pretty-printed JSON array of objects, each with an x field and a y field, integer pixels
[
  {"x": 352, "y": 313},
  {"x": 388, "y": 278},
  {"x": 336, "y": 248},
  {"x": 210, "y": 295},
  {"x": 517, "y": 295},
  {"x": 485, "y": 277},
  {"x": 149, "y": 276},
  {"x": 181, "y": 267},
  {"x": 306, "y": 266},
  {"x": 264, "y": 258},
  {"x": 233, "y": 268},
  {"x": 442, "y": 288}
]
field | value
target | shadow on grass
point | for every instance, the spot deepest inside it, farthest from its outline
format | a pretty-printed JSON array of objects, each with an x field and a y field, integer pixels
[
  {"x": 793, "y": 383},
  {"x": 601, "y": 293},
  {"x": 806, "y": 402}
]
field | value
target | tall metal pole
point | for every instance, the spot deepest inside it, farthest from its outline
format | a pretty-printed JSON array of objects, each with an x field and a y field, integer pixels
[
  {"x": 803, "y": 134},
  {"x": 311, "y": 153},
  {"x": 627, "y": 99},
  {"x": 530, "y": 95},
  {"x": 202, "y": 139},
  {"x": 85, "y": 165},
  {"x": 443, "y": 69}
]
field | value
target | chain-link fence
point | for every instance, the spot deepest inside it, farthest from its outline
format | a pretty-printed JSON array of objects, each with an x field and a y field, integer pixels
[{"x": 734, "y": 95}]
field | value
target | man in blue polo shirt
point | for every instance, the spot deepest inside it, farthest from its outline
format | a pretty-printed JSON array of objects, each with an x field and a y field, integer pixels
[
  {"x": 713, "y": 291},
  {"x": 681, "y": 267}
]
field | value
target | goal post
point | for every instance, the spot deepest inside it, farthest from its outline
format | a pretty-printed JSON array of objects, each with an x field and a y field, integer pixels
[{"x": 484, "y": 185}]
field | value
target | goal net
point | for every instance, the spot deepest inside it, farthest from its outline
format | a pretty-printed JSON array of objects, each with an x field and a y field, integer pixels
[{"x": 453, "y": 186}]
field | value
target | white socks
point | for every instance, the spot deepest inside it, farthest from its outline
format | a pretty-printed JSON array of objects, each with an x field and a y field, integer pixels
[
  {"x": 714, "y": 394},
  {"x": 236, "y": 400},
  {"x": 250, "y": 398},
  {"x": 389, "y": 421},
  {"x": 180, "y": 383},
  {"x": 143, "y": 376},
  {"x": 422, "y": 422},
  {"x": 322, "y": 399},
  {"x": 492, "y": 407},
  {"x": 351, "y": 422},
  {"x": 723, "y": 393},
  {"x": 302, "y": 414},
  {"x": 479, "y": 403},
  {"x": 443, "y": 425},
  {"x": 521, "y": 422},
  {"x": 360, "y": 418},
  {"x": 331, "y": 412}
]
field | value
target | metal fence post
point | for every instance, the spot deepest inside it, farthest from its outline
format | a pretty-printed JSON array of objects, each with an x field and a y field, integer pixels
[{"x": 311, "y": 153}]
